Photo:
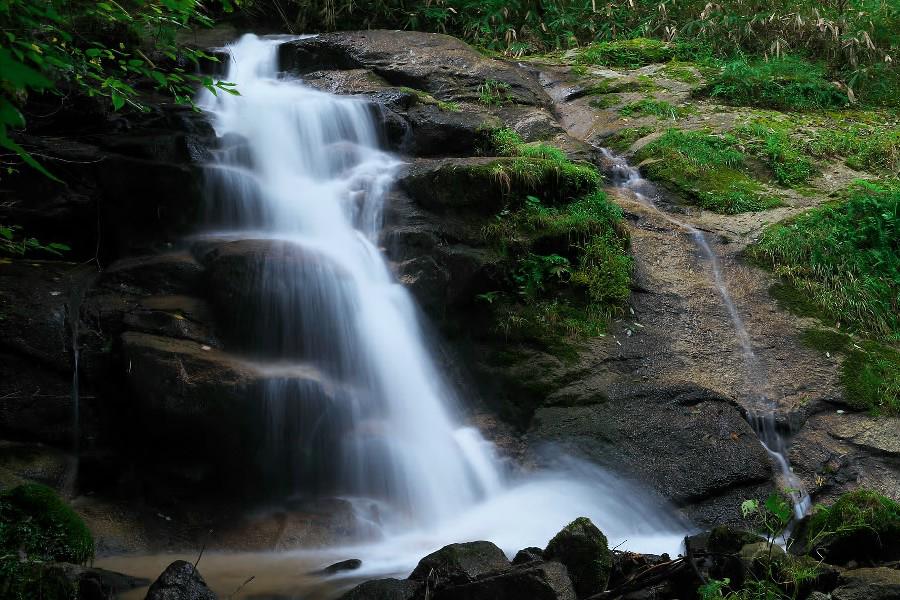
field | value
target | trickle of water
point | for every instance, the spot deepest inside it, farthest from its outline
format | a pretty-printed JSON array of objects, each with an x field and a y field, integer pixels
[
  {"x": 627, "y": 177},
  {"x": 354, "y": 405}
]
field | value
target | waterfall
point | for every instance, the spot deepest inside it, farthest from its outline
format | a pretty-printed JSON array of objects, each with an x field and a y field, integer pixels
[
  {"x": 762, "y": 414},
  {"x": 301, "y": 171}
]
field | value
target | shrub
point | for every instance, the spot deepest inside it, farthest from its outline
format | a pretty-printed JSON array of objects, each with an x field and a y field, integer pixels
[{"x": 787, "y": 83}]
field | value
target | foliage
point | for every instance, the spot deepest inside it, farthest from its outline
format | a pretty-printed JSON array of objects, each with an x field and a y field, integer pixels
[
  {"x": 630, "y": 53},
  {"x": 493, "y": 92},
  {"x": 873, "y": 147},
  {"x": 14, "y": 242},
  {"x": 95, "y": 49},
  {"x": 657, "y": 108},
  {"x": 859, "y": 510},
  {"x": 845, "y": 256},
  {"x": 786, "y": 83},
  {"x": 706, "y": 169}
]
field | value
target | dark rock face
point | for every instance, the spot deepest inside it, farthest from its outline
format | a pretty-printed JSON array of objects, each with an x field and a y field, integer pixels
[
  {"x": 583, "y": 549},
  {"x": 386, "y": 589},
  {"x": 868, "y": 584},
  {"x": 461, "y": 563},
  {"x": 442, "y": 65},
  {"x": 180, "y": 581},
  {"x": 526, "y": 555},
  {"x": 90, "y": 583},
  {"x": 545, "y": 581}
]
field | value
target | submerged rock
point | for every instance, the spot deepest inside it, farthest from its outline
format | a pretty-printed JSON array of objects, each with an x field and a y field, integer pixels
[
  {"x": 180, "y": 581},
  {"x": 350, "y": 564},
  {"x": 461, "y": 563},
  {"x": 583, "y": 549}
]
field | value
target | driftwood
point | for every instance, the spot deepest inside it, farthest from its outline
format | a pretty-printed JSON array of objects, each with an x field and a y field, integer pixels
[{"x": 646, "y": 577}]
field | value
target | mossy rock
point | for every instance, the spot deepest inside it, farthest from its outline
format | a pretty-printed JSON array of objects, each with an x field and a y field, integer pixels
[
  {"x": 458, "y": 564},
  {"x": 727, "y": 540},
  {"x": 583, "y": 549},
  {"x": 862, "y": 525},
  {"x": 34, "y": 520}
]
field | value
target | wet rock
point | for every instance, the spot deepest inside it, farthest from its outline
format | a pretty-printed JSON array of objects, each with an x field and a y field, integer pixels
[
  {"x": 386, "y": 589},
  {"x": 461, "y": 563},
  {"x": 350, "y": 564},
  {"x": 583, "y": 549},
  {"x": 650, "y": 431},
  {"x": 180, "y": 581},
  {"x": 155, "y": 274},
  {"x": 544, "y": 581},
  {"x": 180, "y": 317},
  {"x": 868, "y": 584},
  {"x": 91, "y": 583},
  {"x": 441, "y": 65},
  {"x": 527, "y": 555}
]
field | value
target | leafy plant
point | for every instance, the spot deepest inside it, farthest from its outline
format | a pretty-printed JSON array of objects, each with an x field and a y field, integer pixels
[
  {"x": 13, "y": 242},
  {"x": 96, "y": 49},
  {"x": 494, "y": 93}
]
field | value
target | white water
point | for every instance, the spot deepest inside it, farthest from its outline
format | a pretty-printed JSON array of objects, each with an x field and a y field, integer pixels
[
  {"x": 763, "y": 413},
  {"x": 304, "y": 167}
]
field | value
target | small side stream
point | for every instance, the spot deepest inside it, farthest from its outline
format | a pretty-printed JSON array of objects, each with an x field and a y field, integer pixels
[{"x": 762, "y": 414}]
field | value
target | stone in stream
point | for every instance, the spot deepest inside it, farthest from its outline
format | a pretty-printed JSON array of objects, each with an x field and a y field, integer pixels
[
  {"x": 385, "y": 589},
  {"x": 583, "y": 549},
  {"x": 868, "y": 584},
  {"x": 180, "y": 581},
  {"x": 543, "y": 581},
  {"x": 350, "y": 564},
  {"x": 456, "y": 564}
]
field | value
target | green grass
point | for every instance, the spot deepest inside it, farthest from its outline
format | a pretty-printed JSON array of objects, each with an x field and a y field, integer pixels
[
  {"x": 680, "y": 72},
  {"x": 825, "y": 340},
  {"x": 631, "y": 53},
  {"x": 623, "y": 139},
  {"x": 787, "y": 83},
  {"x": 705, "y": 169},
  {"x": 845, "y": 257},
  {"x": 773, "y": 144},
  {"x": 861, "y": 523},
  {"x": 605, "y": 101},
  {"x": 871, "y": 377},
  {"x": 871, "y": 147},
  {"x": 493, "y": 93},
  {"x": 657, "y": 108}
]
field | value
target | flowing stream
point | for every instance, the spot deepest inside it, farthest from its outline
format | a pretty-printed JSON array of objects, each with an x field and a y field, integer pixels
[
  {"x": 763, "y": 413},
  {"x": 355, "y": 406}
]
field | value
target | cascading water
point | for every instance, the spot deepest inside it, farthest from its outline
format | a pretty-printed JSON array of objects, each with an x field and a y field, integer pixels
[
  {"x": 763, "y": 413},
  {"x": 354, "y": 404}
]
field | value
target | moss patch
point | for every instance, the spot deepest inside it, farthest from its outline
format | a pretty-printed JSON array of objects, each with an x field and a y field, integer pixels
[
  {"x": 623, "y": 139},
  {"x": 426, "y": 98},
  {"x": 871, "y": 377},
  {"x": 656, "y": 108},
  {"x": 631, "y": 53},
  {"x": 704, "y": 168},
  {"x": 825, "y": 340}
]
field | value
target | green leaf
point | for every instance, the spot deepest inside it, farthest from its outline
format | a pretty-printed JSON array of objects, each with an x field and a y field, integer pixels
[
  {"x": 19, "y": 75},
  {"x": 117, "y": 101},
  {"x": 58, "y": 246}
]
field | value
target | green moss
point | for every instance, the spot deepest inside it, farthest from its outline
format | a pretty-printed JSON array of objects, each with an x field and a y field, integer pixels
[
  {"x": 605, "y": 101},
  {"x": 631, "y": 53},
  {"x": 871, "y": 377},
  {"x": 861, "y": 524},
  {"x": 792, "y": 299},
  {"x": 825, "y": 340},
  {"x": 34, "y": 520},
  {"x": 786, "y": 83},
  {"x": 584, "y": 550},
  {"x": 657, "y": 108},
  {"x": 772, "y": 142},
  {"x": 704, "y": 168},
  {"x": 623, "y": 139},
  {"x": 873, "y": 147},
  {"x": 620, "y": 85},
  {"x": 680, "y": 72},
  {"x": 426, "y": 98}
]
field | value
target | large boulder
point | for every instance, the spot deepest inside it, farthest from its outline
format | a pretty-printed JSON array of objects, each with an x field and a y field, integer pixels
[
  {"x": 180, "y": 581},
  {"x": 386, "y": 589},
  {"x": 583, "y": 549},
  {"x": 456, "y": 564},
  {"x": 868, "y": 584},
  {"x": 441, "y": 65},
  {"x": 543, "y": 581}
]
